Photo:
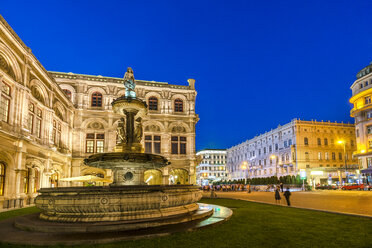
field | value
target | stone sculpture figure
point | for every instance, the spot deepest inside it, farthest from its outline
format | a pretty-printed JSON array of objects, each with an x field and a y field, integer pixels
[
  {"x": 121, "y": 132},
  {"x": 138, "y": 132},
  {"x": 129, "y": 83}
]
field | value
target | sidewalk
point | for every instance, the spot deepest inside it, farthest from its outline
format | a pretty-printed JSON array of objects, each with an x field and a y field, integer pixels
[{"x": 345, "y": 202}]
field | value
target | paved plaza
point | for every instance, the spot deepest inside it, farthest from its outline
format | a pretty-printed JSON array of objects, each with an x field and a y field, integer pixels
[{"x": 348, "y": 202}]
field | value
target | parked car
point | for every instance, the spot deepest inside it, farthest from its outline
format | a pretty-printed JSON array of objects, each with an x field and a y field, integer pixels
[
  {"x": 325, "y": 186},
  {"x": 351, "y": 186}
]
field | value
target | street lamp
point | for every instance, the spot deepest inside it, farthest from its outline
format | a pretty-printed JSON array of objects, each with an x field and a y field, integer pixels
[{"x": 342, "y": 142}]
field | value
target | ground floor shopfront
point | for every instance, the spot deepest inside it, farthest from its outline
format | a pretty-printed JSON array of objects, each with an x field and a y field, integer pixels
[{"x": 330, "y": 175}]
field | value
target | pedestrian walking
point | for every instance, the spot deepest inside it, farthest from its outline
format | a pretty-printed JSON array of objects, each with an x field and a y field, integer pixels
[
  {"x": 281, "y": 187},
  {"x": 277, "y": 195},
  {"x": 213, "y": 194},
  {"x": 287, "y": 194}
]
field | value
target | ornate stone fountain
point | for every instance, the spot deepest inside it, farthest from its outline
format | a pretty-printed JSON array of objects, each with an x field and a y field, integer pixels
[{"x": 128, "y": 201}]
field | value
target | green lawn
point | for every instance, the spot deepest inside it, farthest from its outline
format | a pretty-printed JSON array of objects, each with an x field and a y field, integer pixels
[
  {"x": 18, "y": 212},
  {"x": 261, "y": 225}
]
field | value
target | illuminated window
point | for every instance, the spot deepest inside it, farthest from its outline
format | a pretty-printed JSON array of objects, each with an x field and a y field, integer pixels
[
  {"x": 178, "y": 145},
  {"x": 36, "y": 180},
  {"x": 94, "y": 143},
  {"x": 26, "y": 181},
  {"x": 326, "y": 155},
  {"x": 367, "y": 100},
  {"x": 96, "y": 99},
  {"x": 31, "y": 117},
  {"x": 2, "y": 178},
  {"x": 319, "y": 155},
  {"x": 54, "y": 178},
  {"x": 39, "y": 115},
  {"x": 370, "y": 144},
  {"x": 178, "y": 105},
  {"x": 369, "y": 129},
  {"x": 5, "y": 103},
  {"x": 67, "y": 93},
  {"x": 152, "y": 144},
  {"x": 56, "y": 133},
  {"x": 153, "y": 103}
]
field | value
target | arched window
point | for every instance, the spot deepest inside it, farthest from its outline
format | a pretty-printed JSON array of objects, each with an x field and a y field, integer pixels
[
  {"x": 2, "y": 178},
  {"x": 326, "y": 142},
  {"x": 306, "y": 141},
  {"x": 68, "y": 93},
  {"x": 96, "y": 99},
  {"x": 319, "y": 142},
  {"x": 153, "y": 103},
  {"x": 5, "y": 102},
  {"x": 178, "y": 105}
]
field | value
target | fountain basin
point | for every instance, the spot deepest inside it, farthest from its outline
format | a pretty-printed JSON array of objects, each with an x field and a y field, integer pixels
[
  {"x": 117, "y": 203},
  {"x": 127, "y": 168}
]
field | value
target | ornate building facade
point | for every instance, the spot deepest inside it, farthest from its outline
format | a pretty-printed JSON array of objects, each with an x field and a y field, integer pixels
[
  {"x": 212, "y": 166},
  {"x": 314, "y": 147},
  {"x": 51, "y": 121},
  {"x": 362, "y": 113}
]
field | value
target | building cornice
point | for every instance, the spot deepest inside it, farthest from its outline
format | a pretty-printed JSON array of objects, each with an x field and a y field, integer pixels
[{"x": 104, "y": 79}]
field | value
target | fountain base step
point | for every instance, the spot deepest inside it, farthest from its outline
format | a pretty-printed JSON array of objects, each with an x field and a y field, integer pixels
[{"x": 29, "y": 229}]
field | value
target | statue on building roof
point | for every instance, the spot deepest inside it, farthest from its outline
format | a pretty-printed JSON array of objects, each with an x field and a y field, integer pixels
[{"x": 129, "y": 83}]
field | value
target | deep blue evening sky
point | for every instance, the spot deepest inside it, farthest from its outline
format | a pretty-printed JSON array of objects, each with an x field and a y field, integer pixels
[{"x": 257, "y": 64}]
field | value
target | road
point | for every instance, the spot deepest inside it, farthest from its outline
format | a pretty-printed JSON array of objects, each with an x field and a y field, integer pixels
[{"x": 349, "y": 202}]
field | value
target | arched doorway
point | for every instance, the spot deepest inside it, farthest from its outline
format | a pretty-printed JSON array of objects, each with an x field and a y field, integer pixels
[
  {"x": 54, "y": 180},
  {"x": 179, "y": 176},
  {"x": 153, "y": 177}
]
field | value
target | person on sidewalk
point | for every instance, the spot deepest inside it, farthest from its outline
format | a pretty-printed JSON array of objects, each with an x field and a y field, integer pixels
[
  {"x": 277, "y": 195},
  {"x": 282, "y": 187},
  {"x": 287, "y": 194},
  {"x": 248, "y": 188},
  {"x": 213, "y": 194}
]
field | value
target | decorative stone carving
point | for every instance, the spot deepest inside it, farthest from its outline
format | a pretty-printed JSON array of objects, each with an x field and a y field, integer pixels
[
  {"x": 37, "y": 94},
  {"x": 6, "y": 68},
  {"x": 95, "y": 125},
  {"x": 178, "y": 129}
]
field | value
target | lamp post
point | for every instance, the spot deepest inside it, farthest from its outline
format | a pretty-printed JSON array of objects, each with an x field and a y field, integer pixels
[{"x": 342, "y": 142}]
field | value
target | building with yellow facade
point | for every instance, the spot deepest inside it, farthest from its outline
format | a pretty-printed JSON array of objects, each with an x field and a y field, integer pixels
[{"x": 362, "y": 113}]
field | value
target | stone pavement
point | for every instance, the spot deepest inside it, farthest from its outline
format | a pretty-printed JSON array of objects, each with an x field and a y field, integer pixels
[{"x": 346, "y": 202}]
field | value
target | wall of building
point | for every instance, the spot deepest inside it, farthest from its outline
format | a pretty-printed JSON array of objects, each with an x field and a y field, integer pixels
[
  {"x": 362, "y": 113},
  {"x": 298, "y": 145},
  {"x": 43, "y": 130},
  {"x": 211, "y": 167}
]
